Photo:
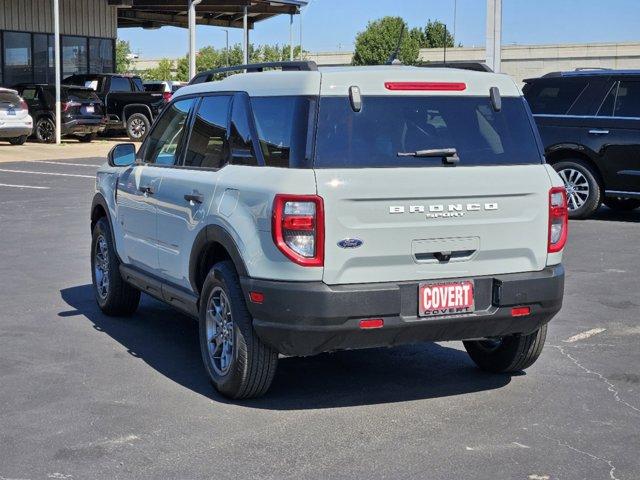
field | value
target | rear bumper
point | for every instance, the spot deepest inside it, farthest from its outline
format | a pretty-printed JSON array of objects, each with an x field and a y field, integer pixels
[
  {"x": 15, "y": 131},
  {"x": 82, "y": 127},
  {"x": 306, "y": 318}
]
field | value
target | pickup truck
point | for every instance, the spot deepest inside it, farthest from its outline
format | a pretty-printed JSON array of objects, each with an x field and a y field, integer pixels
[{"x": 126, "y": 103}]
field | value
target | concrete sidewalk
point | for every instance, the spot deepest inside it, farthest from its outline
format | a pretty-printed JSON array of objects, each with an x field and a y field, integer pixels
[{"x": 70, "y": 149}]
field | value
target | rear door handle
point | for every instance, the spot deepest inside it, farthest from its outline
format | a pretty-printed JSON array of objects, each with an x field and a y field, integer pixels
[
  {"x": 599, "y": 132},
  {"x": 148, "y": 189},
  {"x": 194, "y": 197}
]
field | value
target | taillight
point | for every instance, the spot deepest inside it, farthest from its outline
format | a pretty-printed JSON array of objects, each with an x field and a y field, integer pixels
[
  {"x": 23, "y": 105},
  {"x": 67, "y": 105},
  {"x": 558, "y": 219},
  {"x": 298, "y": 228},
  {"x": 167, "y": 96}
]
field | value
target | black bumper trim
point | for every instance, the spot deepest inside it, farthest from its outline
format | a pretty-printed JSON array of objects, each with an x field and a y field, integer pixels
[{"x": 306, "y": 318}]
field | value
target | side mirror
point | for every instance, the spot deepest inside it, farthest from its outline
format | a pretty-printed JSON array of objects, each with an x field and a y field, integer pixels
[{"x": 122, "y": 155}]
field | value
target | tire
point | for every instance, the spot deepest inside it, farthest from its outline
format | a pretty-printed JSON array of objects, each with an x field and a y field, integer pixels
[
  {"x": 625, "y": 204},
  {"x": 507, "y": 354},
  {"x": 45, "y": 130},
  {"x": 18, "y": 140},
  {"x": 115, "y": 297},
  {"x": 580, "y": 180},
  {"x": 138, "y": 126},
  {"x": 88, "y": 138},
  {"x": 246, "y": 366}
]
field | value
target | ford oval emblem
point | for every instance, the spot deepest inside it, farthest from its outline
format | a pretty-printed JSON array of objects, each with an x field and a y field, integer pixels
[{"x": 350, "y": 243}]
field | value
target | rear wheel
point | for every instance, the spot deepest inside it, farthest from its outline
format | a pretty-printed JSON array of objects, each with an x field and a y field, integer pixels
[
  {"x": 138, "y": 126},
  {"x": 584, "y": 192},
  {"x": 114, "y": 296},
  {"x": 239, "y": 364},
  {"x": 617, "y": 203},
  {"x": 46, "y": 130},
  {"x": 507, "y": 354},
  {"x": 18, "y": 140}
]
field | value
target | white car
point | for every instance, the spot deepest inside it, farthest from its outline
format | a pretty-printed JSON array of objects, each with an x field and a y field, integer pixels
[{"x": 15, "y": 122}]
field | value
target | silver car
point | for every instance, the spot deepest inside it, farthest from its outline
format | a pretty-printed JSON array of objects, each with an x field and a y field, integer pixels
[{"x": 15, "y": 122}]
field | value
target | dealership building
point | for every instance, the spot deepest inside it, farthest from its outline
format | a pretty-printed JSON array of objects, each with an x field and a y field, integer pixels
[{"x": 88, "y": 30}]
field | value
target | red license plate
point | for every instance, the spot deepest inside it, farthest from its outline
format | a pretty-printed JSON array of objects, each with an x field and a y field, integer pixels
[{"x": 446, "y": 298}]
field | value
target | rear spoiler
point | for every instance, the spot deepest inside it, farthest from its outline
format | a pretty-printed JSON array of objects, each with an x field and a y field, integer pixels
[{"x": 462, "y": 65}]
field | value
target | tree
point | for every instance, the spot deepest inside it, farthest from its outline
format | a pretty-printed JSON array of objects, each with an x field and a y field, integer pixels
[
  {"x": 380, "y": 40},
  {"x": 123, "y": 56},
  {"x": 164, "y": 71},
  {"x": 434, "y": 36}
]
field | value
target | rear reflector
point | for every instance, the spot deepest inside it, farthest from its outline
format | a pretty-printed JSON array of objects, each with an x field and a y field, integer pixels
[
  {"x": 427, "y": 86},
  {"x": 520, "y": 311},
  {"x": 370, "y": 323},
  {"x": 256, "y": 297}
]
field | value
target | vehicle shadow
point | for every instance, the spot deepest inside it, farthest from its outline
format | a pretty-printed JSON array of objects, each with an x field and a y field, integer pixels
[
  {"x": 607, "y": 214},
  {"x": 168, "y": 342}
]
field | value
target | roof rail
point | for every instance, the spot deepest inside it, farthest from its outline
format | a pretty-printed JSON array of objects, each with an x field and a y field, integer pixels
[
  {"x": 587, "y": 69},
  {"x": 299, "y": 66}
]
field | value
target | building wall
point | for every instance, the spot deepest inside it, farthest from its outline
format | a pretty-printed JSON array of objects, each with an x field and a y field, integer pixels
[
  {"x": 91, "y": 18},
  {"x": 525, "y": 61}
]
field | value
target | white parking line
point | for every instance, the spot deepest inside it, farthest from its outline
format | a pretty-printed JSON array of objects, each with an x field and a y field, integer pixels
[
  {"x": 48, "y": 173},
  {"x": 584, "y": 335},
  {"x": 24, "y": 186},
  {"x": 64, "y": 163}
]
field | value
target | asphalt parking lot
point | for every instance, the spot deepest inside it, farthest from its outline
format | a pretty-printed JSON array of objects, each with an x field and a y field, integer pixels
[{"x": 84, "y": 396}]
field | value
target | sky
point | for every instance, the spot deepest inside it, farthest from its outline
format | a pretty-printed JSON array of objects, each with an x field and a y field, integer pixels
[{"x": 332, "y": 25}]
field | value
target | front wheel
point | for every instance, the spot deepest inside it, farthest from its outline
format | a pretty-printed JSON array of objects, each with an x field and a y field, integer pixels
[
  {"x": 239, "y": 364},
  {"x": 138, "y": 125},
  {"x": 584, "y": 193},
  {"x": 508, "y": 354},
  {"x": 625, "y": 204},
  {"x": 115, "y": 297},
  {"x": 46, "y": 130}
]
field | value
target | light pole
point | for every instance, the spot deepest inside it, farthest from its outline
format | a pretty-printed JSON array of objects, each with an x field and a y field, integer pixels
[
  {"x": 227, "y": 45},
  {"x": 493, "y": 41},
  {"x": 56, "y": 30}
]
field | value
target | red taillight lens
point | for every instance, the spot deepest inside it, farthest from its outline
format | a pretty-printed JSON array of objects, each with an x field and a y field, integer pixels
[
  {"x": 427, "y": 86},
  {"x": 298, "y": 228},
  {"x": 256, "y": 297},
  {"x": 520, "y": 311},
  {"x": 23, "y": 105},
  {"x": 558, "y": 219},
  {"x": 167, "y": 96},
  {"x": 370, "y": 323}
]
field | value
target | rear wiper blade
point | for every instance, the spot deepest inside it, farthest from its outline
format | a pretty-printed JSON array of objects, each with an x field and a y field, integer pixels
[{"x": 448, "y": 155}]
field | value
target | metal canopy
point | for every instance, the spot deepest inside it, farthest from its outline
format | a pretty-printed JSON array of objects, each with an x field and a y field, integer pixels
[{"x": 221, "y": 13}]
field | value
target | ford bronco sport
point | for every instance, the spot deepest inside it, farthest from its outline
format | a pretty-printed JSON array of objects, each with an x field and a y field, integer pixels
[{"x": 299, "y": 212}]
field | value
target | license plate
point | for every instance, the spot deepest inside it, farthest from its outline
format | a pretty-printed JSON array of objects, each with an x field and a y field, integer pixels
[
  {"x": 90, "y": 109},
  {"x": 445, "y": 298},
  {"x": 11, "y": 112}
]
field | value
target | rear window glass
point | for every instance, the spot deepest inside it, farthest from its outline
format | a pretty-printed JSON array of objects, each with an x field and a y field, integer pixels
[
  {"x": 282, "y": 124},
  {"x": 554, "y": 97},
  {"x": 77, "y": 95},
  {"x": 391, "y": 125},
  {"x": 154, "y": 87},
  {"x": 9, "y": 97}
]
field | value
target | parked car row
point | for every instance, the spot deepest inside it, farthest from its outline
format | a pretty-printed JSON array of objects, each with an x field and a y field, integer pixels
[{"x": 90, "y": 104}]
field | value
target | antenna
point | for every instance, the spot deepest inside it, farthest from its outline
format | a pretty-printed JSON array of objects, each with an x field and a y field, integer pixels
[{"x": 394, "y": 56}]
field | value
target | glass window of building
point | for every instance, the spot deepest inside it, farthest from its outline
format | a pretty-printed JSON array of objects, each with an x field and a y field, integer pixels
[
  {"x": 18, "y": 58},
  {"x": 43, "y": 58},
  {"x": 74, "y": 55}
]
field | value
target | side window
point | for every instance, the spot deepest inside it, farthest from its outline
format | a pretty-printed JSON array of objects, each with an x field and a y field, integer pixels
[
  {"x": 628, "y": 100},
  {"x": 208, "y": 140},
  {"x": 29, "y": 93},
  {"x": 606, "y": 109},
  {"x": 240, "y": 142},
  {"x": 282, "y": 124},
  {"x": 120, "y": 84},
  {"x": 165, "y": 137},
  {"x": 554, "y": 96}
]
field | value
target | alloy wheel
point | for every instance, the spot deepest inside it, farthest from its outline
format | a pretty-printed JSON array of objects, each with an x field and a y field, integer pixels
[
  {"x": 220, "y": 331},
  {"x": 577, "y": 186},
  {"x": 46, "y": 131},
  {"x": 137, "y": 128},
  {"x": 101, "y": 267}
]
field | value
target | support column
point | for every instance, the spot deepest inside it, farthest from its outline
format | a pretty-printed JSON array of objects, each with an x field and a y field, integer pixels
[
  {"x": 58, "y": 69},
  {"x": 291, "y": 37},
  {"x": 494, "y": 34},
  {"x": 192, "y": 37},
  {"x": 245, "y": 31}
]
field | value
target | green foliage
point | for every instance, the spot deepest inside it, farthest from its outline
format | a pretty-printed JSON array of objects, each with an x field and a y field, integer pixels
[
  {"x": 380, "y": 40},
  {"x": 164, "y": 71},
  {"x": 123, "y": 62},
  {"x": 434, "y": 36}
]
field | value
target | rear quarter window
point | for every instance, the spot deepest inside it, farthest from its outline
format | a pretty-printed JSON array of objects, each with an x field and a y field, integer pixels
[
  {"x": 389, "y": 125},
  {"x": 554, "y": 96}
]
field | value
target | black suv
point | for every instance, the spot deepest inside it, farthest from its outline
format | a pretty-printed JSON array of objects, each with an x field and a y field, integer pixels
[
  {"x": 127, "y": 104},
  {"x": 589, "y": 120},
  {"x": 82, "y": 114}
]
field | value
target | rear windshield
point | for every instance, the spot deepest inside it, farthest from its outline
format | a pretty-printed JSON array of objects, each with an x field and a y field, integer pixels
[
  {"x": 9, "y": 97},
  {"x": 154, "y": 87},
  {"x": 77, "y": 95},
  {"x": 389, "y": 125}
]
